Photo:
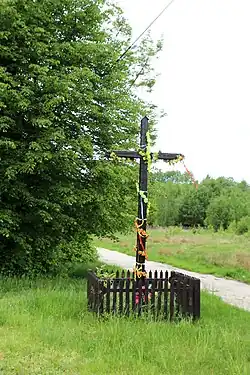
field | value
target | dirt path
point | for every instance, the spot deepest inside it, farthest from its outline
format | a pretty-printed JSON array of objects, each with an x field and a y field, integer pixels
[{"x": 230, "y": 291}]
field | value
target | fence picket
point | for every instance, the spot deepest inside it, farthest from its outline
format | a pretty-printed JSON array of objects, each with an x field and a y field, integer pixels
[
  {"x": 177, "y": 297},
  {"x": 108, "y": 296},
  {"x": 170, "y": 298},
  {"x": 114, "y": 296},
  {"x": 166, "y": 295},
  {"x": 146, "y": 293},
  {"x": 133, "y": 294},
  {"x": 127, "y": 302},
  {"x": 101, "y": 297},
  {"x": 160, "y": 288},
  {"x": 121, "y": 286},
  {"x": 191, "y": 297},
  {"x": 152, "y": 305},
  {"x": 139, "y": 291},
  {"x": 196, "y": 293},
  {"x": 89, "y": 294},
  {"x": 185, "y": 296},
  {"x": 172, "y": 292},
  {"x": 97, "y": 297}
]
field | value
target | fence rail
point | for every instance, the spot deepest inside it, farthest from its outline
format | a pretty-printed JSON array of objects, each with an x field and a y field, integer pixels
[{"x": 159, "y": 295}]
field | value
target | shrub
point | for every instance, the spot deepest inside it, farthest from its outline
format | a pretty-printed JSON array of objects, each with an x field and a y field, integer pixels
[{"x": 243, "y": 226}]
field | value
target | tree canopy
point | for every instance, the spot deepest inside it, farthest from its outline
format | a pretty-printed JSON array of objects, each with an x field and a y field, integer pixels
[
  {"x": 65, "y": 99},
  {"x": 221, "y": 203}
]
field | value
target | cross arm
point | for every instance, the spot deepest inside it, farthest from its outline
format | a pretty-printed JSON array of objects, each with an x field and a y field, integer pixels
[
  {"x": 169, "y": 157},
  {"x": 135, "y": 155},
  {"x": 123, "y": 154}
]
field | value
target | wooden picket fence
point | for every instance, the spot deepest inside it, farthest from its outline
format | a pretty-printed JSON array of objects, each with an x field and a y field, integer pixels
[{"x": 160, "y": 296}]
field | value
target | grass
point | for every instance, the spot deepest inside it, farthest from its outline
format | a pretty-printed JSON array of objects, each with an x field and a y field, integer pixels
[
  {"x": 221, "y": 254},
  {"x": 45, "y": 329}
]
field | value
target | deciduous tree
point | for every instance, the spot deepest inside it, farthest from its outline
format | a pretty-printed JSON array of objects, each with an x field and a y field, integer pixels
[{"x": 65, "y": 99}]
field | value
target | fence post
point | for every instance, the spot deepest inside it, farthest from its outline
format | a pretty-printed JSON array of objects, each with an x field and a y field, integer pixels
[{"x": 196, "y": 294}]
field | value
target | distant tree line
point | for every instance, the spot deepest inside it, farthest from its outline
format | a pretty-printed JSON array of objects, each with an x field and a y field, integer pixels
[{"x": 220, "y": 203}]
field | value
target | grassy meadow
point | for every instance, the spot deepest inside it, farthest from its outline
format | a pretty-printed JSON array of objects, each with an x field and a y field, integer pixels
[
  {"x": 45, "y": 329},
  {"x": 222, "y": 254}
]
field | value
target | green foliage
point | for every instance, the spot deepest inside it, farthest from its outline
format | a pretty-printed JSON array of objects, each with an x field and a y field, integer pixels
[
  {"x": 165, "y": 203},
  {"x": 228, "y": 207},
  {"x": 79, "y": 248},
  {"x": 219, "y": 203},
  {"x": 192, "y": 211},
  {"x": 219, "y": 213},
  {"x": 103, "y": 273},
  {"x": 173, "y": 176},
  {"x": 65, "y": 101},
  {"x": 243, "y": 226}
]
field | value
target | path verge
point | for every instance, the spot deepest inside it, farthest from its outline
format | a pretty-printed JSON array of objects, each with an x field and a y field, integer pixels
[{"x": 230, "y": 291}]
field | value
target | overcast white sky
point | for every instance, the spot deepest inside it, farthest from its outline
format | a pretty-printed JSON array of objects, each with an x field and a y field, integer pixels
[{"x": 205, "y": 81}]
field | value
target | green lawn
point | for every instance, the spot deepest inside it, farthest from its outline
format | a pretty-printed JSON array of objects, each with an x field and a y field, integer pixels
[
  {"x": 221, "y": 254},
  {"x": 45, "y": 329}
]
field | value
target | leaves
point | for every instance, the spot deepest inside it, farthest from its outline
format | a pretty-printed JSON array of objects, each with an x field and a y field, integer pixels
[
  {"x": 217, "y": 202},
  {"x": 65, "y": 101}
]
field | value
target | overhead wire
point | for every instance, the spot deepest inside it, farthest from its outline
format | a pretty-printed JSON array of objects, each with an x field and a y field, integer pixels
[{"x": 145, "y": 30}]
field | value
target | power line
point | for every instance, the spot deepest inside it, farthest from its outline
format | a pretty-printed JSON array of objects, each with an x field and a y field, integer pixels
[{"x": 148, "y": 27}]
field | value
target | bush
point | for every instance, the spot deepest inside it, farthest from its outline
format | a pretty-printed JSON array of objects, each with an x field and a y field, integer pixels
[
  {"x": 79, "y": 250},
  {"x": 57, "y": 260},
  {"x": 232, "y": 227},
  {"x": 219, "y": 213},
  {"x": 172, "y": 231},
  {"x": 243, "y": 226}
]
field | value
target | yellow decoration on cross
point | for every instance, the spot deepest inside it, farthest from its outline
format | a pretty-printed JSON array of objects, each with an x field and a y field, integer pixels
[{"x": 139, "y": 273}]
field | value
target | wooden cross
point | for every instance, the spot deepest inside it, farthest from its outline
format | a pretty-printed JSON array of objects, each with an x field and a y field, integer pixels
[{"x": 143, "y": 192}]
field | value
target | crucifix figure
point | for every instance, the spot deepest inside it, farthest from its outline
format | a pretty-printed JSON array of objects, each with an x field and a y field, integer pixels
[{"x": 143, "y": 192}]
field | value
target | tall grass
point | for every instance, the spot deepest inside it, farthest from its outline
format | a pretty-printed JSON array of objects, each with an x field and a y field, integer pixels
[
  {"x": 222, "y": 254},
  {"x": 45, "y": 329}
]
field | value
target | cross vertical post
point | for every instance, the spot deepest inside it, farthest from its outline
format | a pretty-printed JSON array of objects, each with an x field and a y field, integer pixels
[
  {"x": 142, "y": 202},
  {"x": 141, "y": 220}
]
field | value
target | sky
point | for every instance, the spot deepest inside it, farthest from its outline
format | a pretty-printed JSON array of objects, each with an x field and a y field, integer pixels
[{"x": 204, "y": 82}]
